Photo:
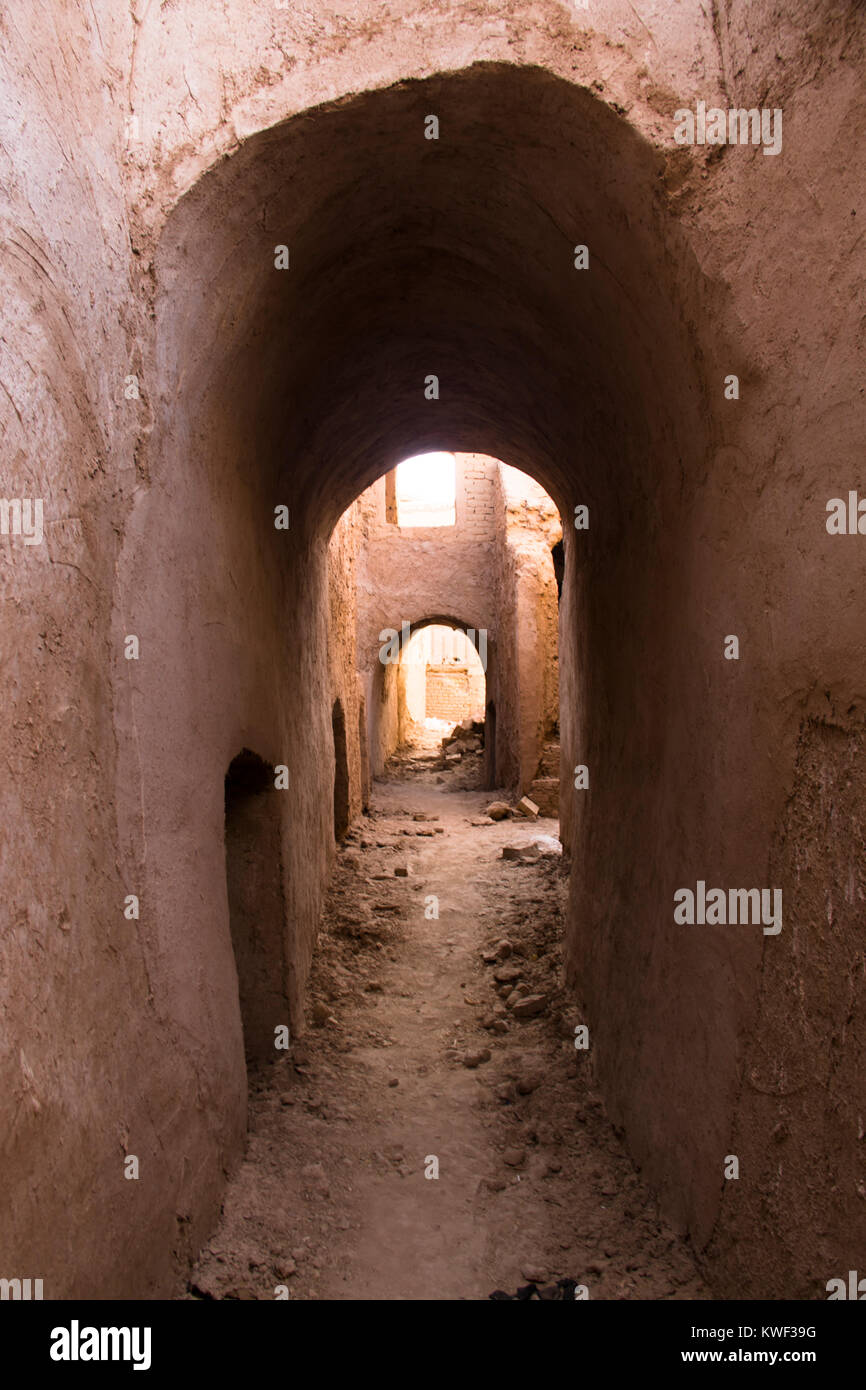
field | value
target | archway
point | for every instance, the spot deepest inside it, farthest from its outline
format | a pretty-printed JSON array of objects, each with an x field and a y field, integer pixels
[
  {"x": 444, "y": 676},
  {"x": 334, "y": 370},
  {"x": 440, "y": 693},
  {"x": 494, "y": 565}
]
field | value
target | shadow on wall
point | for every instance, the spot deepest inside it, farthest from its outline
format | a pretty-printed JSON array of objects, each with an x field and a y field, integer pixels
[
  {"x": 490, "y": 745},
  {"x": 256, "y": 902},
  {"x": 365, "y": 755},
  {"x": 341, "y": 772},
  {"x": 557, "y": 555}
]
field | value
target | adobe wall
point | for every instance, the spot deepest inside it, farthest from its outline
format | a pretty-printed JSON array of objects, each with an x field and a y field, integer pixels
[
  {"x": 82, "y": 1026},
  {"x": 346, "y": 685},
  {"x": 529, "y": 603},
  {"x": 454, "y": 694}
]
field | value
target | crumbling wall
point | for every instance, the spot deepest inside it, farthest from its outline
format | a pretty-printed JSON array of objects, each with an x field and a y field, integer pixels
[
  {"x": 530, "y": 603},
  {"x": 503, "y": 704}
]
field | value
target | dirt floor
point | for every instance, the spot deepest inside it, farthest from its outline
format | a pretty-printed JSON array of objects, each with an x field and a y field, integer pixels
[{"x": 416, "y": 1061}]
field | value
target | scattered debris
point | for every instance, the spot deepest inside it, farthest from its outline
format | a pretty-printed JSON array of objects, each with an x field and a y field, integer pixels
[
  {"x": 454, "y": 1043},
  {"x": 529, "y": 1007},
  {"x": 476, "y": 1058},
  {"x": 560, "y": 1292},
  {"x": 523, "y": 854}
]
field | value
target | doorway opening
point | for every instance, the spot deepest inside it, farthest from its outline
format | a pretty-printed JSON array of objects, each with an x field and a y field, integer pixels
[
  {"x": 254, "y": 883},
  {"x": 490, "y": 745},
  {"x": 341, "y": 771},
  {"x": 444, "y": 679},
  {"x": 557, "y": 555},
  {"x": 422, "y": 491},
  {"x": 440, "y": 694},
  {"x": 365, "y": 755}
]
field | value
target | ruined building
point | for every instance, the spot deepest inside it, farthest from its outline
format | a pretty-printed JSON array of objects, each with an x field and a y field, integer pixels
[{"x": 492, "y": 573}]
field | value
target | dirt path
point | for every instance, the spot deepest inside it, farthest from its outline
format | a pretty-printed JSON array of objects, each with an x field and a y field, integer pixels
[{"x": 332, "y": 1200}]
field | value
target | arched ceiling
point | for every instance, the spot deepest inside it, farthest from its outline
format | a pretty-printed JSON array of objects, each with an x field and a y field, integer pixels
[{"x": 452, "y": 257}]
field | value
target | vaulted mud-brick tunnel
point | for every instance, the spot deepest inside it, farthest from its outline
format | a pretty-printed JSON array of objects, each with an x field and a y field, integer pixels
[{"x": 597, "y": 371}]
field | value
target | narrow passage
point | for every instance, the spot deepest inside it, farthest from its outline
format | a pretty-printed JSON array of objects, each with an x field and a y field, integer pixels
[{"x": 413, "y": 1059}]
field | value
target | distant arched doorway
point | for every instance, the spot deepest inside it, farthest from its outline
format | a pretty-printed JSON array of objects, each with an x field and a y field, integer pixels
[{"x": 442, "y": 676}]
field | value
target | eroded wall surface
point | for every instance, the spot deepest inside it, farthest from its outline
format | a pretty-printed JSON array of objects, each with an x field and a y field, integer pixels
[{"x": 529, "y": 605}]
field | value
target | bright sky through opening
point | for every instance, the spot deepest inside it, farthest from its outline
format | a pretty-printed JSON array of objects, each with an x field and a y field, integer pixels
[{"x": 426, "y": 490}]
